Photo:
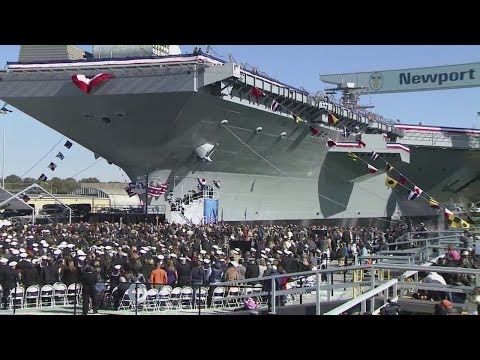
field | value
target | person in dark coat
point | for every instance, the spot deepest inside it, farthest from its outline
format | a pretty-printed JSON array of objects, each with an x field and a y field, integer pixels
[
  {"x": 47, "y": 276},
  {"x": 8, "y": 279},
  {"x": 88, "y": 279},
  {"x": 252, "y": 270},
  {"x": 30, "y": 275},
  {"x": 183, "y": 271}
]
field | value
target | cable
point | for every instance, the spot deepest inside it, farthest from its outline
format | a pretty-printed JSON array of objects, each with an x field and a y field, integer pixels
[
  {"x": 38, "y": 162},
  {"x": 88, "y": 167},
  {"x": 260, "y": 156},
  {"x": 284, "y": 174}
]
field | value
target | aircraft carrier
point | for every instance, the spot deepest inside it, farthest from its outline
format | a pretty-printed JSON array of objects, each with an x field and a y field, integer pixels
[{"x": 182, "y": 117}]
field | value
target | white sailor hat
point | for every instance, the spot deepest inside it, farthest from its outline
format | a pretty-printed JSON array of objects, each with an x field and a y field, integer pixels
[
  {"x": 124, "y": 254},
  {"x": 232, "y": 237},
  {"x": 9, "y": 236},
  {"x": 15, "y": 252},
  {"x": 34, "y": 244},
  {"x": 108, "y": 247},
  {"x": 206, "y": 261},
  {"x": 99, "y": 252},
  {"x": 160, "y": 257},
  {"x": 30, "y": 237},
  {"x": 219, "y": 252},
  {"x": 173, "y": 255},
  {"x": 14, "y": 243},
  {"x": 215, "y": 247},
  {"x": 8, "y": 240},
  {"x": 22, "y": 250},
  {"x": 183, "y": 258},
  {"x": 46, "y": 245},
  {"x": 81, "y": 253},
  {"x": 267, "y": 249},
  {"x": 287, "y": 252},
  {"x": 142, "y": 251},
  {"x": 237, "y": 249},
  {"x": 13, "y": 263},
  {"x": 279, "y": 252},
  {"x": 57, "y": 252},
  {"x": 81, "y": 258},
  {"x": 271, "y": 259},
  {"x": 253, "y": 249},
  {"x": 222, "y": 260},
  {"x": 3, "y": 260},
  {"x": 64, "y": 243},
  {"x": 234, "y": 252},
  {"x": 264, "y": 256},
  {"x": 117, "y": 267},
  {"x": 4, "y": 234},
  {"x": 203, "y": 252},
  {"x": 23, "y": 255},
  {"x": 34, "y": 261}
]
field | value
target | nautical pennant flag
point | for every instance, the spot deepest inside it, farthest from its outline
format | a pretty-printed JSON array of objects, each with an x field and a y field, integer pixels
[
  {"x": 361, "y": 143},
  {"x": 346, "y": 132},
  {"x": 60, "y": 156},
  {"x": 314, "y": 131},
  {"x": 390, "y": 182},
  {"x": 332, "y": 120},
  {"x": 129, "y": 191},
  {"x": 352, "y": 156},
  {"x": 373, "y": 155},
  {"x": 402, "y": 180},
  {"x": 52, "y": 166},
  {"x": 216, "y": 183},
  {"x": 256, "y": 92},
  {"x": 86, "y": 84},
  {"x": 331, "y": 143},
  {"x": 433, "y": 203},
  {"x": 42, "y": 177},
  {"x": 416, "y": 192},
  {"x": 459, "y": 223},
  {"x": 389, "y": 167},
  {"x": 202, "y": 182},
  {"x": 68, "y": 144},
  {"x": 372, "y": 169},
  {"x": 4, "y": 110},
  {"x": 274, "y": 106}
]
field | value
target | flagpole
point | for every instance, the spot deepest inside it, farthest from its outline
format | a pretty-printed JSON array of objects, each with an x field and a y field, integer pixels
[
  {"x": 146, "y": 196},
  {"x": 3, "y": 158}
]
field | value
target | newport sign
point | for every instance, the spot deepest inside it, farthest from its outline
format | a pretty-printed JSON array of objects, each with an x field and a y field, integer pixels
[{"x": 417, "y": 79}]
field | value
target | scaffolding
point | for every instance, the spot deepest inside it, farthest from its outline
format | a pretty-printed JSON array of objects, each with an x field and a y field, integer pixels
[{"x": 19, "y": 196}]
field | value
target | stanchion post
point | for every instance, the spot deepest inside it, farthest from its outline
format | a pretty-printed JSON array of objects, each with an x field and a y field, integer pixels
[
  {"x": 75, "y": 301},
  {"x": 136, "y": 298}
]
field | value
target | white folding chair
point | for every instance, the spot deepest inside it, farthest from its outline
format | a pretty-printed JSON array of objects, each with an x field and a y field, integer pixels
[
  {"x": 16, "y": 297},
  {"x": 186, "y": 297},
  {"x": 60, "y": 294},
  {"x": 46, "y": 295},
  {"x": 151, "y": 302},
  {"x": 164, "y": 299},
  {"x": 32, "y": 295},
  {"x": 175, "y": 297},
  {"x": 233, "y": 291},
  {"x": 217, "y": 297},
  {"x": 72, "y": 293}
]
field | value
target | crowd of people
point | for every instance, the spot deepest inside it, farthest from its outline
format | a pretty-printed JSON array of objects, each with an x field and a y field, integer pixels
[{"x": 175, "y": 255}]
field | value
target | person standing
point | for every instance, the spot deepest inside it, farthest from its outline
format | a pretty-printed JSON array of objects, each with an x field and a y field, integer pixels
[{"x": 88, "y": 278}]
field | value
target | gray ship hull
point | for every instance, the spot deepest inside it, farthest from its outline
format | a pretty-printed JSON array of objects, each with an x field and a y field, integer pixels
[{"x": 152, "y": 125}]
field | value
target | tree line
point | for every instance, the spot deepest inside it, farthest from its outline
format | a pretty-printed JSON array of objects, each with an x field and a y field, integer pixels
[{"x": 54, "y": 185}]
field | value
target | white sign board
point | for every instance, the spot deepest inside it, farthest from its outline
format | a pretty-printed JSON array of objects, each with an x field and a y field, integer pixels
[{"x": 417, "y": 79}]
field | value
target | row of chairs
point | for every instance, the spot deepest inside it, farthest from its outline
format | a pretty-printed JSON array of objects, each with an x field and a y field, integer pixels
[
  {"x": 178, "y": 298},
  {"x": 46, "y": 296}
]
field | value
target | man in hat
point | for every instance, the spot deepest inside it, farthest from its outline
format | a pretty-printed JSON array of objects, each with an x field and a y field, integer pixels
[
  {"x": 88, "y": 279},
  {"x": 8, "y": 279}
]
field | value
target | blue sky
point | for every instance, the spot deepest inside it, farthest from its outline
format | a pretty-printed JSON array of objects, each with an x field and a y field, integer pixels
[{"x": 28, "y": 140}]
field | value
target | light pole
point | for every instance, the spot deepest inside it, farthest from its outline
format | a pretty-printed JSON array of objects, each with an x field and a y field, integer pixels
[
  {"x": 3, "y": 157},
  {"x": 4, "y": 111}
]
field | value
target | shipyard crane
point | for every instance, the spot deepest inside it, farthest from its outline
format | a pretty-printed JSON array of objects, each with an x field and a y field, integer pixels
[{"x": 353, "y": 85}]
